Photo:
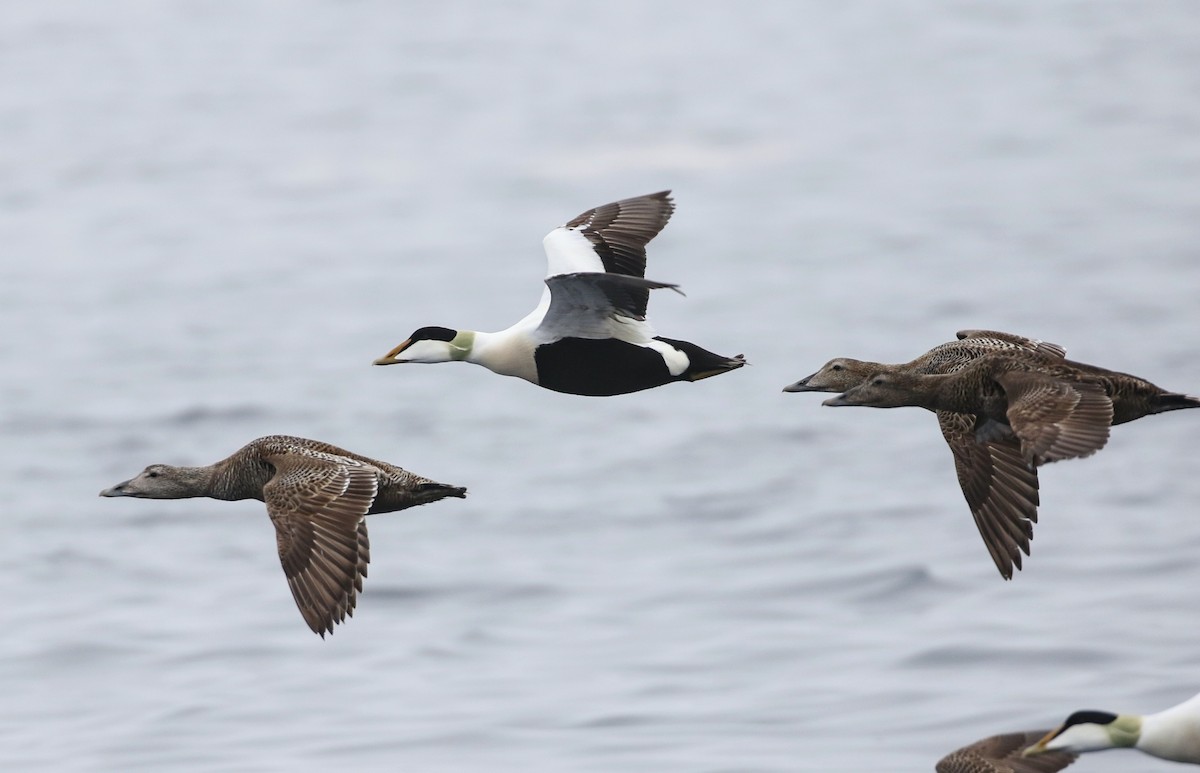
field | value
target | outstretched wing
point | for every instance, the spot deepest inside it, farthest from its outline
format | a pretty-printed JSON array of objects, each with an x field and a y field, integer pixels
[
  {"x": 1056, "y": 419},
  {"x": 317, "y": 502},
  {"x": 1000, "y": 486},
  {"x": 594, "y": 305},
  {"x": 1044, "y": 348},
  {"x": 1002, "y": 754},
  {"x": 610, "y": 239}
]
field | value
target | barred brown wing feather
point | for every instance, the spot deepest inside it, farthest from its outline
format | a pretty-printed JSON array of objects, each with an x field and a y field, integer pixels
[
  {"x": 1000, "y": 488},
  {"x": 1002, "y": 754},
  {"x": 1044, "y": 348},
  {"x": 317, "y": 506},
  {"x": 1056, "y": 419}
]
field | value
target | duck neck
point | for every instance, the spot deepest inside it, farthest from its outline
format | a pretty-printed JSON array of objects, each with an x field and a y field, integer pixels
[
  {"x": 945, "y": 397},
  {"x": 1173, "y": 734},
  {"x": 508, "y": 352},
  {"x": 231, "y": 482},
  {"x": 1125, "y": 731},
  {"x": 959, "y": 392},
  {"x": 191, "y": 482},
  {"x": 933, "y": 392}
]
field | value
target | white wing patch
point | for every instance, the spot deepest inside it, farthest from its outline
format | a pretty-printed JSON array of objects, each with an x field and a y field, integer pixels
[{"x": 568, "y": 251}]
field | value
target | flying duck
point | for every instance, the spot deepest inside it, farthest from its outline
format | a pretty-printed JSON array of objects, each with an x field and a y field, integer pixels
[
  {"x": 1033, "y": 408},
  {"x": 588, "y": 335},
  {"x": 841, "y": 373},
  {"x": 1001, "y": 489},
  {"x": 1058, "y": 409},
  {"x": 1171, "y": 734},
  {"x": 317, "y": 496},
  {"x": 1003, "y": 754}
]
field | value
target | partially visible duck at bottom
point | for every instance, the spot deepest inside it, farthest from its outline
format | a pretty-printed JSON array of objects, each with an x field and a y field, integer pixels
[
  {"x": 317, "y": 495},
  {"x": 1170, "y": 734},
  {"x": 1004, "y": 754},
  {"x": 1001, "y": 489}
]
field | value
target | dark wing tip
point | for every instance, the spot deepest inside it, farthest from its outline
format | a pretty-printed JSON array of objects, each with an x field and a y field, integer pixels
[{"x": 619, "y": 231}]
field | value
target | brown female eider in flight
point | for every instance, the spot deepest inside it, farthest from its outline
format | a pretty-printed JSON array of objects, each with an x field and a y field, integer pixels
[
  {"x": 588, "y": 335},
  {"x": 1001, "y": 489},
  {"x": 317, "y": 496},
  {"x": 1003, "y": 754},
  {"x": 1058, "y": 409},
  {"x": 841, "y": 373}
]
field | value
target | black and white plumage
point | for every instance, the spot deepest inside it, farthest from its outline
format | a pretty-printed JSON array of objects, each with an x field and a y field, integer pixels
[
  {"x": 588, "y": 335},
  {"x": 1170, "y": 734}
]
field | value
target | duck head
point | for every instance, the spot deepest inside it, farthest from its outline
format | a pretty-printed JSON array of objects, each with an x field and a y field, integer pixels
[
  {"x": 1090, "y": 731},
  {"x": 158, "y": 481},
  {"x": 837, "y": 375},
  {"x": 431, "y": 344},
  {"x": 881, "y": 390}
]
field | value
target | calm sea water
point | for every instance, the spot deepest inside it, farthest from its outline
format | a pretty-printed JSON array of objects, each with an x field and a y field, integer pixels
[{"x": 213, "y": 216}]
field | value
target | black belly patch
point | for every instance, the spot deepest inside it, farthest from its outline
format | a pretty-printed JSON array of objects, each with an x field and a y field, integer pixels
[{"x": 599, "y": 367}]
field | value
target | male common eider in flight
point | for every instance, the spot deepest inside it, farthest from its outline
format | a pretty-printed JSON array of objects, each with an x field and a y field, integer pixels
[
  {"x": 1171, "y": 734},
  {"x": 588, "y": 334},
  {"x": 317, "y": 496}
]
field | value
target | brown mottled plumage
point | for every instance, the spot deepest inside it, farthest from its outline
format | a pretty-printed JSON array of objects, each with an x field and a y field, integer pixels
[
  {"x": 317, "y": 496},
  {"x": 841, "y": 373},
  {"x": 1002, "y": 754},
  {"x": 1056, "y": 409},
  {"x": 1059, "y": 409},
  {"x": 1133, "y": 398},
  {"x": 1001, "y": 489}
]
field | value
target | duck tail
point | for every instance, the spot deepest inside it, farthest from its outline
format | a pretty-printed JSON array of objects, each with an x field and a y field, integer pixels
[
  {"x": 431, "y": 492},
  {"x": 1172, "y": 401},
  {"x": 703, "y": 363}
]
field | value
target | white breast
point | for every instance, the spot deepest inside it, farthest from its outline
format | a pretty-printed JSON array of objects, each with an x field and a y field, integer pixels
[{"x": 508, "y": 352}]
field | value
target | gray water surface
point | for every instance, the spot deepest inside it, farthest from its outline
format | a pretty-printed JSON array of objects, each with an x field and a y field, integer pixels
[{"x": 213, "y": 216}]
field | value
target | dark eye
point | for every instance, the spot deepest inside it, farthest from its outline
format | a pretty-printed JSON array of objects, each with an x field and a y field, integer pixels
[
  {"x": 878, "y": 382},
  {"x": 836, "y": 367},
  {"x": 152, "y": 474}
]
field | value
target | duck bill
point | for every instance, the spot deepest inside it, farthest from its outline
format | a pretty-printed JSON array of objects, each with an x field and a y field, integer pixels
[
  {"x": 390, "y": 358},
  {"x": 119, "y": 490},
  {"x": 838, "y": 401},
  {"x": 1040, "y": 746},
  {"x": 801, "y": 385}
]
